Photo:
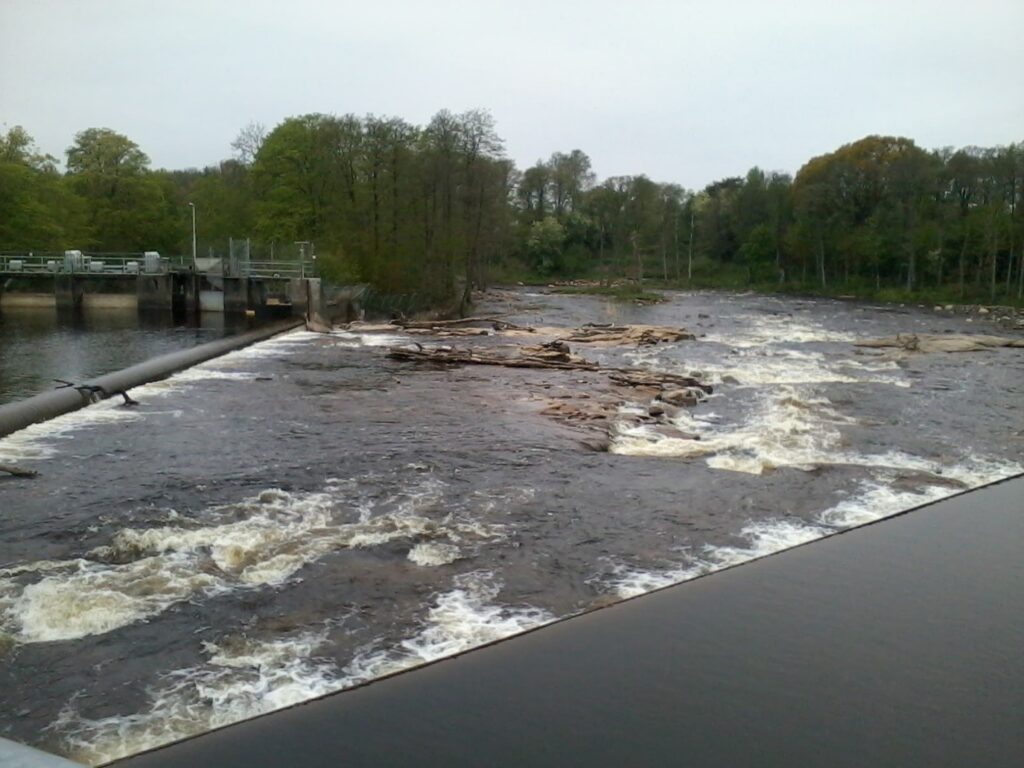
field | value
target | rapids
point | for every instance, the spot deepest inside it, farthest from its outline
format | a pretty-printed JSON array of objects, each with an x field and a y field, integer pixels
[{"x": 305, "y": 515}]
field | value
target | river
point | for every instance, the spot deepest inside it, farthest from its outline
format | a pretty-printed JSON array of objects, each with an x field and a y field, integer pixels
[
  {"x": 38, "y": 347},
  {"x": 304, "y": 515}
]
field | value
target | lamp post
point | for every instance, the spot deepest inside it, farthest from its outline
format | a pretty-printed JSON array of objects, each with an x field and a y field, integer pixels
[{"x": 193, "y": 207}]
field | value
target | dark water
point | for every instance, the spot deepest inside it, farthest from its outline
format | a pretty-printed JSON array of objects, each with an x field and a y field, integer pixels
[
  {"x": 306, "y": 514},
  {"x": 38, "y": 346}
]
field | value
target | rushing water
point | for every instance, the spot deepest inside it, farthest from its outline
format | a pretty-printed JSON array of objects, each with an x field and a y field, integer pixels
[
  {"x": 305, "y": 514},
  {"x": 38, "y": 346}
]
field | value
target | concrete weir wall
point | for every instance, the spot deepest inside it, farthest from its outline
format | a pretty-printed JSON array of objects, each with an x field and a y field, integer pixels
[
  {"x": 155, "y": 292},
  {"x": 187, "y": 293},
  {"x": 15, "y": 416}
]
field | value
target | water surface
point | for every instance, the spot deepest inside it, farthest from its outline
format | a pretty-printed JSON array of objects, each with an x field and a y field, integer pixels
[
  {"x": 39, "y": 346},
  {"x": 306, "y": 514}
]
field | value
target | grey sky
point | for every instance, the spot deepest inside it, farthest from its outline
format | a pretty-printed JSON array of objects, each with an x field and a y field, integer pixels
[{"x": 682, "y": 91}]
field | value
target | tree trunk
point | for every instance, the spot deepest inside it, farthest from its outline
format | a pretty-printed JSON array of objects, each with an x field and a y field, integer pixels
[
  {"x": 639, "y": 261},
  {"x": 963, "y": 261},
  {"x": 994, "y": 252},
  {"x": 821, "y": 258},
  {"x": 675, "y": 244},
  {"x": 689, "y": 257}
]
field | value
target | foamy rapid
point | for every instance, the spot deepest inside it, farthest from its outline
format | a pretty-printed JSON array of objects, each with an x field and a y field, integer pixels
[
  {"x": 873, "y": 500},
  {"x": 40, "y": 441},
  {"x": 464, "y": 618},
  {"x": 378, "y": 339},
  {"x": 760, "y": 330},
  {"x": 761, "y": 538},
  {"x": 790, "y": 423},
  {"x": 263, "y": 540},
  {"x": 244, "y": 677}
]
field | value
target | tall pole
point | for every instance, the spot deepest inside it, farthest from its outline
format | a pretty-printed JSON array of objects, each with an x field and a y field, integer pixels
[{"x": 193, "y": 207}]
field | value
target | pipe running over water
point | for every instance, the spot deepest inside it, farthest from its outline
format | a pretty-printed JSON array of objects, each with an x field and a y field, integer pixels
[{"x": 47, "y": 405}]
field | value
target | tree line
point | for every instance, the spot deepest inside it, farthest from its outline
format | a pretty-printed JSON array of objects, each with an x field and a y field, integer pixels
[{"x": 439, "y": 209}]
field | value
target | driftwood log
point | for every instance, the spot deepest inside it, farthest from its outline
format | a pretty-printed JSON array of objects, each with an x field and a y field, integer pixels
[
  {"x": 494, "y": 322},
  {"x": 451, "y": 355},
  {"x": 554, "y": 355},
  {"x": 17, "y": 471}
]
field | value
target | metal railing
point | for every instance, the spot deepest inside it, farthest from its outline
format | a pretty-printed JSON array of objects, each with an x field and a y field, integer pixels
[
  {"x": 279, "y": 269},
  {"x": 82, "y": 264},
  {"x": 78, "y": 263}
]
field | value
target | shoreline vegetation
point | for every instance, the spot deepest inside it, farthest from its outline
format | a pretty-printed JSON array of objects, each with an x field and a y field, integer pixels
[
  {"x": 650, "y": 292},
  {"x": 425, "y": 215}
]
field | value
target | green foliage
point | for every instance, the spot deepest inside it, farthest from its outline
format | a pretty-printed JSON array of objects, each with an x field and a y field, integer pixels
[
  {"x": 432, "y": 211},
  {"x": 544, "y": 245}
]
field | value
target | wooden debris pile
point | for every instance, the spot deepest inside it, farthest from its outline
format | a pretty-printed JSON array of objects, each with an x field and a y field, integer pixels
[
  {"x": 641, "y": 335},
  {"x": 654, "y": 398},
  {"x": 466, "y": 326},
  {"x": 525, "y": 357}
]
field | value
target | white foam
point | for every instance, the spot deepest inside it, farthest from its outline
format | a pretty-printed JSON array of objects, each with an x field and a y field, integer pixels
[
  {"x": 432, "y": 554},
  {"x": 876, "y": 498},
  {"x": 786, "y": 428},
  {"x": 775, "y": 329},
  {"x": 873, "y": 500},
  {"x": 93, "y": 599},
  {"x": 243, "y": 678},
  {"x": 463, "y": 618},
  {"x": 263, "y": 540},
  {"x": 763, "y": 538},
  {"x": 37, "y": 441},
  {"x": 350, "y": 339}
]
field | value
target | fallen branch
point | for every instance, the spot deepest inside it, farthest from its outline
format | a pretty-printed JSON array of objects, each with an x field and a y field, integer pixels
[
  {"x": 449, "y": 355},
  {"x": 642, "y": 335},
  {"x": 496, "y": 323},
  {"x": 17, "y": 471}
]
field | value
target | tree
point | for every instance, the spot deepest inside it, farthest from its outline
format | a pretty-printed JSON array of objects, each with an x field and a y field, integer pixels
[
  {"x": 248, "y": 142},
  {"x": 544, "y": 245},
  {"x": 128, "y": 208}
]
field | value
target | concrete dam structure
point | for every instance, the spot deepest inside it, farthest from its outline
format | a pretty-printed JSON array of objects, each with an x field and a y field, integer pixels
[{"x": 74, "y": 280}]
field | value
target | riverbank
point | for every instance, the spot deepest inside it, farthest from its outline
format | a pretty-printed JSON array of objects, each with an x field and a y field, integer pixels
[{"x": 1005, "y": 315}]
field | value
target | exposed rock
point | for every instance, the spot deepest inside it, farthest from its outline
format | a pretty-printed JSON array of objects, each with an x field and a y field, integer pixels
[
  {"x": 667, "y": 430},
  {"x": 689, "y": 396},
  {"x": 638, "y": 378},
  {"x": 596, "y": 444},
  {"x": 954, "y": 342}
]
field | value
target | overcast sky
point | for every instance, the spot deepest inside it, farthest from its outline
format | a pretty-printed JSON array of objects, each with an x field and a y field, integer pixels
[{"x": 681, "y": 91}]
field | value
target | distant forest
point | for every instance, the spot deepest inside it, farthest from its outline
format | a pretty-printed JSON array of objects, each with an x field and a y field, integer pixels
[{"x": 436, "y": 210}]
